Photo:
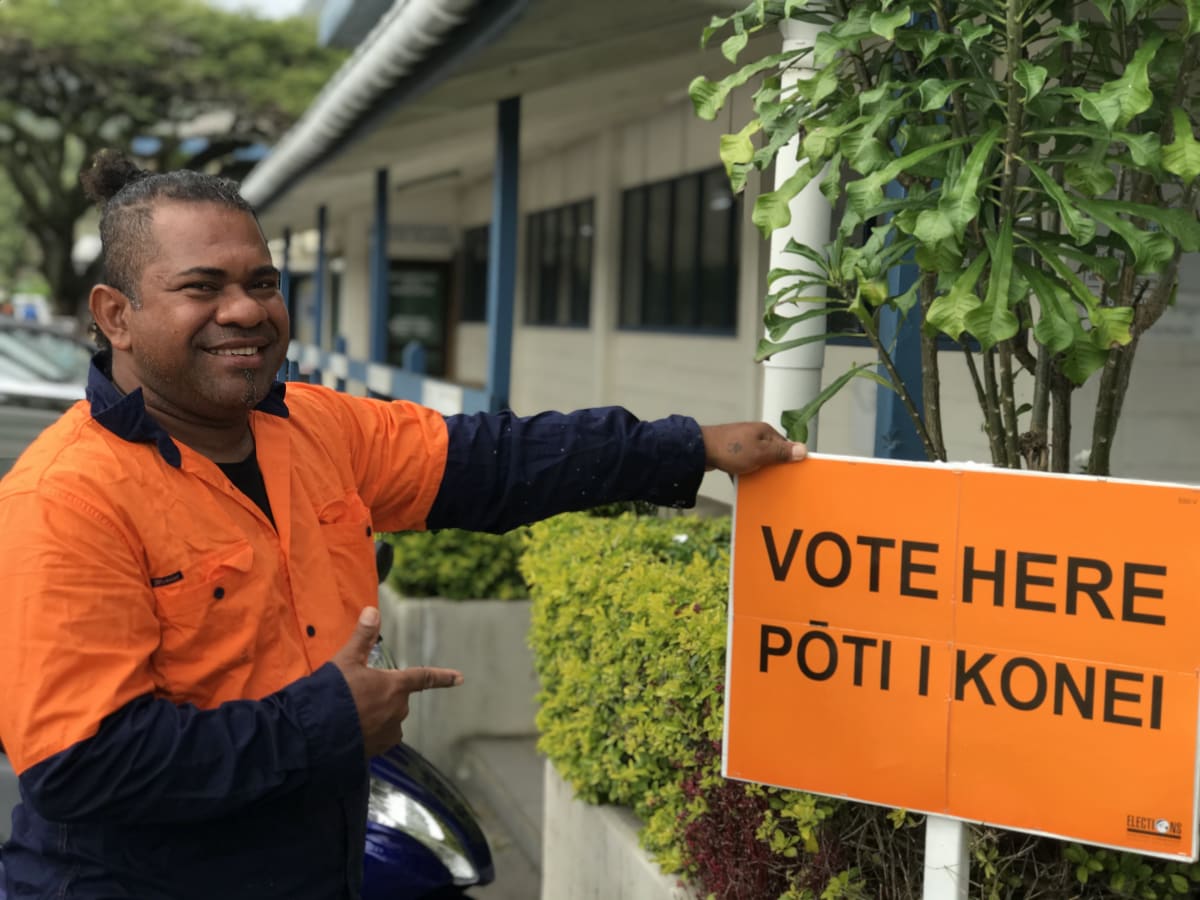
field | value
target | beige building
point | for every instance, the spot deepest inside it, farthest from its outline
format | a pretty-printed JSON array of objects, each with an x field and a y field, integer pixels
[{"x": 637, "y": 277}]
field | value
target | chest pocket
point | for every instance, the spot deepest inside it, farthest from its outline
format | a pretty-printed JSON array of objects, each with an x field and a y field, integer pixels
[
  {"x": 208, "y": 613},
  {"x": 349, "y": 539}
]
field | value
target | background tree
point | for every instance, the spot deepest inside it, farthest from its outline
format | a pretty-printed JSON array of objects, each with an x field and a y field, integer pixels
[
  {"x": 1048, "y": 167},
  {"x": 175, "y": 82},
  {"x": 13, "y": 237}
]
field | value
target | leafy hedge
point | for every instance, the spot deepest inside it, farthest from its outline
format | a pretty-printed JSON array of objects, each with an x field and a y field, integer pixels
[
  {"x": 628, "y": 636},
  {"x": 458, "y": 565}
]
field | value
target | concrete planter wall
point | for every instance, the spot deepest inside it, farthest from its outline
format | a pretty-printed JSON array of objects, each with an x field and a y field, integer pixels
[
  {"x": 487, "y": 641},
  {"x": 592, "y": 853}
]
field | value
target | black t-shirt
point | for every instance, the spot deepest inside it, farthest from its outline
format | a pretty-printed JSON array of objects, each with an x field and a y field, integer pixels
[{"x": 247, "y": 478}]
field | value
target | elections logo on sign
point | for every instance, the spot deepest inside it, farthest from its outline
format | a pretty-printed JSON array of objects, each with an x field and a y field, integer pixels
[{"x": 989, "y": 645}]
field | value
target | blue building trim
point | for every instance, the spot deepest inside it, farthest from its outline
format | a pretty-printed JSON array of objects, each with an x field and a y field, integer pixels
[
  {"x": 895, "y": 435},
  {"x": 502, "y": 251},
  {"x": 379, "y": 271},
  {"x": 320, "y": 275}
]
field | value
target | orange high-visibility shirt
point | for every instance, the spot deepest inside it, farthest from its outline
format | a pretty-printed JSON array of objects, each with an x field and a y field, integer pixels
[{"x": 125, "y": 574}]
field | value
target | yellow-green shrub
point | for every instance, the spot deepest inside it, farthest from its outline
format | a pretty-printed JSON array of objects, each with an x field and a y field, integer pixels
[
  {"x": 629, "y": 635},
  {"x": 458, "y": 565}
]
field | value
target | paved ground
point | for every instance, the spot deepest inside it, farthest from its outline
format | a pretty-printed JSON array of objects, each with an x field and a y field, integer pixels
[{"x": 502, "y": 778}]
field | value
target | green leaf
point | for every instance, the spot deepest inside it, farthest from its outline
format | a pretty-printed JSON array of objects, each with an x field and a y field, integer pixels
[
  {"x": 1119, "y": 101},
  {"x": 1082, "y": 228},
  {"x": 831, "y": 184},
  {"x": 948, "y": 313},
  {"x": 1071, "y": 34},
  {"x": 708, "y": 96},
  {"x": 935, "y": 92},
  {"x": 1057, "y": 326},
  {"x": 942, "y": 257},
  {"x": 1152, "y": 250},
  {"x": 1182, "y": 156},
  {"x": 1144, "y": 149},
  {"x": 772, "y": 210},
  {"x": 715, "y": 24},
  {"x": 1082, "y": 361},
  {"x": 1031, "y": 77},
  {"x": 1090, "y": 177},
  {"x": 816, "y": 89},
  {"x": 994, "y": 321},
  {"x": 933, "y": 226},
  {"x": 885, "y": 24},
  {"x": 1179, "y": 884},
  {"x": 1192, "y": 8},
  {"x": 1181, "y": 224},
  {"x": 766, "y": 349},
  {"x": 733, "y": 45},
  {"x": 779, "y": 325},
  {"x": 960, "y": 197},
  {"x": 869, "y": 155},
  {"x": 971, "y": 32},
  {"x": 795, "y": 421},
  {"x": 1110, "y": 326},
  {"x": 738, "y": 148},
  {"x": 821, "y": 141},
  {"x": 866, "y": 194}
]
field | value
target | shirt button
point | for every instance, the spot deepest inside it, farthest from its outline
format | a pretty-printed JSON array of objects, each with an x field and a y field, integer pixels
[
  {"x": 219, "y": 593},
  {"x": 368, "y": 531},
  {"x": 312, "y": 632}
]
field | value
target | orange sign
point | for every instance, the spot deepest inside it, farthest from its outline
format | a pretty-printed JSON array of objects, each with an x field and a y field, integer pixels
[{"x": 996, "y": 646}]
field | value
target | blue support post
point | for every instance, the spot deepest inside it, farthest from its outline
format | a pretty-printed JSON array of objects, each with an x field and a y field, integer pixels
[
  {"x": 339, "y": 346},
  {"x": 379, "y": 271},
  {"x": 319, "y": 276},
  {"x": 502, "y": 252},
  {"x": 895, "y": 435},
  {"x": 285, "y": 288}
]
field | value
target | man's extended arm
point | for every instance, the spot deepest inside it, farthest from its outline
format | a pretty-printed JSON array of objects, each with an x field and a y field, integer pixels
[{"x": 503, "y": 470}]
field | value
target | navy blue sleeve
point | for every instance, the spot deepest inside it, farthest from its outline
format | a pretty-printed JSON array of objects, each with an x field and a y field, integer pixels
[
  {"x": 503, "y": 470},
  {"x": 155, "y": 762}
]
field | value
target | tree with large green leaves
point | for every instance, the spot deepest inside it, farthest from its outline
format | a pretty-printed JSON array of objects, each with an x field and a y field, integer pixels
[
  {"x": 174, "y": 82},
  {"x": 13, "y": 237},
  {"x": 1048, "y": 167}
]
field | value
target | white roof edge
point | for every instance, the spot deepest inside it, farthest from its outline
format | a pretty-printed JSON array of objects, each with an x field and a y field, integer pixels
[{"x": 402, "y": 38}]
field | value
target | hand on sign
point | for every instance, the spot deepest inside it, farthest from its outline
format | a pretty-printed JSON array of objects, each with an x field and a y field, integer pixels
[
  {"x": 381, "y": 696},
  {"x": 743, "y": 447}
]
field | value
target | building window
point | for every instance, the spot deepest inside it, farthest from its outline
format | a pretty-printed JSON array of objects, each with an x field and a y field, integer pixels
[
  {"x": 558, "y": 282},
  {"x": 474, "y": 274},
  {"x": 679, "y": 255}
]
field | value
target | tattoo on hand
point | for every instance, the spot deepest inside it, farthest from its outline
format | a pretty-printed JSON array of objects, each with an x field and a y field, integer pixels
[{"x": 735, "y": 447}]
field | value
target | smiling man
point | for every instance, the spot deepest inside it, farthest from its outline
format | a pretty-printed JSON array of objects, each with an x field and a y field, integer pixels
[{"x": 189, "y": 578}]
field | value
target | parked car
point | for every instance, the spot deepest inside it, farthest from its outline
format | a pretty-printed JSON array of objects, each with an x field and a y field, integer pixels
[{"x": 42, "y": 372}]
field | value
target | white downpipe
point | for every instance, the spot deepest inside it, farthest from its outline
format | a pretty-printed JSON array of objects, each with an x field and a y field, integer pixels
[
  {"x": 403, "y": 37},
  {"x": 793, "y": 378}
]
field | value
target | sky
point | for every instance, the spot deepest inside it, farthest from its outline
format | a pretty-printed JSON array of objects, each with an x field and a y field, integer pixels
[{"x": 271, "y": 9}]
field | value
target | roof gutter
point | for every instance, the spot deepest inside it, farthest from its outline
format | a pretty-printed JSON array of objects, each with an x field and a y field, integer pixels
[{"x": 414, "y": 45}]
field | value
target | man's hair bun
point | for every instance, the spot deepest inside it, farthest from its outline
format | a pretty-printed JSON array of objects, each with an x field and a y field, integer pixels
[{"x": 109, "y": 172}]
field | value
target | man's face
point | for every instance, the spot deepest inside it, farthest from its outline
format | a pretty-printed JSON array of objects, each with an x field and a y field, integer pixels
[{"x": 212, "y": 328}]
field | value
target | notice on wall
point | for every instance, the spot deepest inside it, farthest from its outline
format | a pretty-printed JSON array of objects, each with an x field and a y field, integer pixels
[{"x": 1004, "y": 647}]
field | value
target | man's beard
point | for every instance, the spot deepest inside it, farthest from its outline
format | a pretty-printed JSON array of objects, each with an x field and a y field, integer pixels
[{"x": 251, "y": 397}]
